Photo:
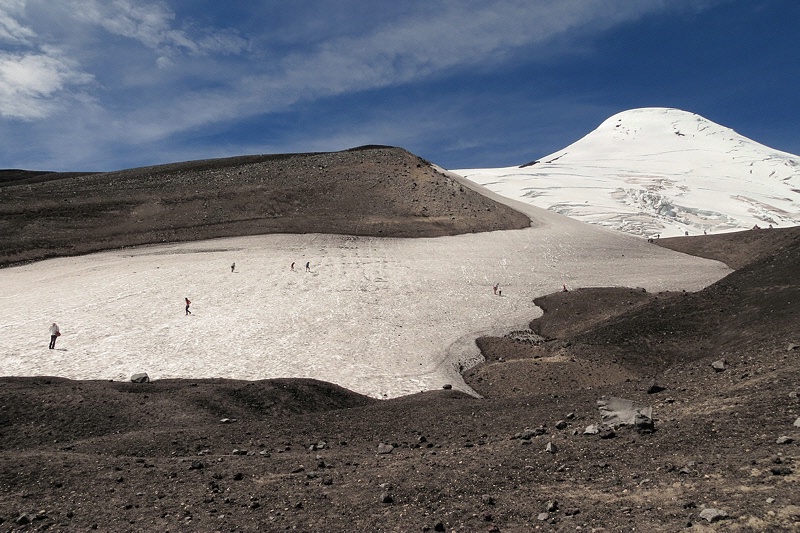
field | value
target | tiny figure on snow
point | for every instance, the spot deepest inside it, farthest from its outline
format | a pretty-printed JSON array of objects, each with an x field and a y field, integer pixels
[
  {"x": 233, "y": 266},
  {"x": 188, "y": 303},
  {"x": 292, "y": 267},
  {"x": 564, "y": 285},
  {"x": 54, "y": 334},
  {"x": 308, "y": 266},
  {"x": 495, "y": 287}
]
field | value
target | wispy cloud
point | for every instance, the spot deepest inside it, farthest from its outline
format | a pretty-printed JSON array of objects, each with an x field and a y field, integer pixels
[{"x": 153, "y": 25}]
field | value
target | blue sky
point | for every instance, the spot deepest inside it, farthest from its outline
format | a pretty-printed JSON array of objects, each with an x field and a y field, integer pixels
[{"x": 113, "y": 84}]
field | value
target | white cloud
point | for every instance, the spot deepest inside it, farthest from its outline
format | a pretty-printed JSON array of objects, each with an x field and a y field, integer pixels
[{"x": 32, "y": 83}]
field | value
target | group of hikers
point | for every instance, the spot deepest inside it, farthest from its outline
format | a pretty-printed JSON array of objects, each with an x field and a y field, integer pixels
[
  {"x": 233, "y": 269},
  {"x": 55, "y": 332}
]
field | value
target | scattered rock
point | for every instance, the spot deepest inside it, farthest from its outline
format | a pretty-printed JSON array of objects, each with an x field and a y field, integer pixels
[
  {"x": 720, "y": 365},
  {"x": 621, "y": 412},
  {"x": 784, "y": 440},
  {"x": 487, "y": 499},
  {"x": 591, "y": 430},
  {"x": 528, "y": 434},
  {"x": 551, "y": 448},
  {"x": 543, "y": 516},
  {"x": 608, "y": 433},
  {"x": 781, "y": 471},
  {"x": 655, "y": 388},
  {"x": 141, "y": 377},
  {"x": 227, "y": 421},
  {"x": 792, "y": 347},
  {"x": 561, "y": 424},
  {"x": 447, "y": 386},
  {"x": 386, "y": 498},
  {"x": 384, "y": 448},
  {"x": 552, "y": 506},
  {"x": 713, "y": 515}
]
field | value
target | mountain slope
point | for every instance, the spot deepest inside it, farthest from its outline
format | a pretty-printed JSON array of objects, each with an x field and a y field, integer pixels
[{"x": 658, "y": 171}]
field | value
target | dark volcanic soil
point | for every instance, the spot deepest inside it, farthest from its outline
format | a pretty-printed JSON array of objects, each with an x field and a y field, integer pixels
[{"x": 300, "y": 455}]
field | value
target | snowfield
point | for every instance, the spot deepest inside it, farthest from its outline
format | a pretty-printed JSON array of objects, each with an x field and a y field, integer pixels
[
  {"x": 383, "y": 317},
  {"x": 658, "y": 171}
]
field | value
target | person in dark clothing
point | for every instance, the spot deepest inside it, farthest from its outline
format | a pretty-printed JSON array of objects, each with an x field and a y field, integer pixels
[{"x": 188, "y": 303}]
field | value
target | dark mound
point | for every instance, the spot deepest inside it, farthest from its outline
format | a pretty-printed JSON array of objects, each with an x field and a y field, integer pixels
[
  {"x": 375, "y": 191},
  {"x": 735, "y": 249}
]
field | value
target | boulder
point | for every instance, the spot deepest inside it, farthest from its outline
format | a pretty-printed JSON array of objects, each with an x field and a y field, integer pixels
[
  {"x": 616, "y": 412},
  {"x": 384, "y": 448},
  {"x": 713, "y": 515},
  {"x": 720, "y": 365},
  {"x": 141, "y": 377}
]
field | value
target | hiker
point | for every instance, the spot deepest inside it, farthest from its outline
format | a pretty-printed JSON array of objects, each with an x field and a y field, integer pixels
[
  {"x": 233, "y": 265},
  {"x": 565, "y": 288},
  {"x": 54, "y": 334},
  {"x": 308, "y": 266},
  {"x": 188, "y": 303},
  {"x": 496, "y": 285},
  {"x": 292, "y": 267}
]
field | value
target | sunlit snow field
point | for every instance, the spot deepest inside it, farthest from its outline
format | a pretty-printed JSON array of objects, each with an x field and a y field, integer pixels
[{"x": 383, "y": 317}]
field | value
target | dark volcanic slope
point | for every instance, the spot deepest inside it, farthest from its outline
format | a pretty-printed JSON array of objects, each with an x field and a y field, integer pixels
[
  {"x": 377, "y": 191},
  {"x": 735, "y": 249}
]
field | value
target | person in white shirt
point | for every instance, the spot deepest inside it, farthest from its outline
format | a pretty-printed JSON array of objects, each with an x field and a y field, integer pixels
[{"x": 54, "y": 334}]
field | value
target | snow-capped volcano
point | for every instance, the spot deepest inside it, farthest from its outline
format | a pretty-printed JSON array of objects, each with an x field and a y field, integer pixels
[{"x": 658, "y": 171}]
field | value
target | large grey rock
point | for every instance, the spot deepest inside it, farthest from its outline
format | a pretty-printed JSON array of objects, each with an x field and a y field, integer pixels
[
  {"x": 141, "y": 377},
  {"x": 719, "y": 365},
  {"x": 797, "y": 422},
  {"x": 713, "y": 515},
  {"x": 384, "y": 448},
  {"x": 616, "y": 412}
]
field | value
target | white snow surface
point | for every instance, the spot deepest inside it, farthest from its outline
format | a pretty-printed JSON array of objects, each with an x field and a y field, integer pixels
[
  {"x": 381, "y": 316},
  {"x": 659, "y": 172}
]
